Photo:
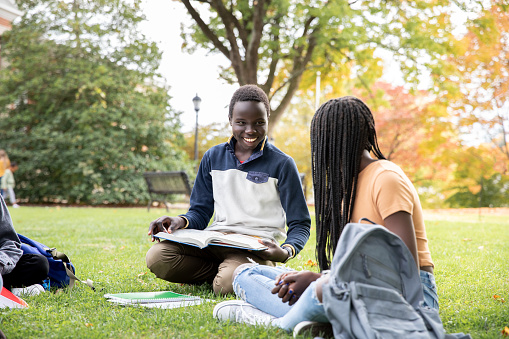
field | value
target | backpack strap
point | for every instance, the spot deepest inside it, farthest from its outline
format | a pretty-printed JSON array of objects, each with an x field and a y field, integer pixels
[
  {"x": 366, "y": 219},
  {"x": 70, "y": 274},
  {"x": 74, "y": 278},
  {"x": 58, "y": 255}
]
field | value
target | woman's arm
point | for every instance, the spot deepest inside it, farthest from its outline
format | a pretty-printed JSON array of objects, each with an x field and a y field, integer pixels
[{"x": 401, "y": 223}]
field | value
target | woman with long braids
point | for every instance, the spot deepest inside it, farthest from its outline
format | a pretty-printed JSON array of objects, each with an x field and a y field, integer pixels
[
  {"x": 349, "y": 184},
  {"x": 342, "y": 137}
]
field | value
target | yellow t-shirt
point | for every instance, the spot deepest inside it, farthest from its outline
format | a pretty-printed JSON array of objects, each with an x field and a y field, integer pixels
[{"x": 382, "y": 190}]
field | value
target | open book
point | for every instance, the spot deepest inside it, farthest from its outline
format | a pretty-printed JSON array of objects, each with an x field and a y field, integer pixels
[{"x": 202, "y": 238}]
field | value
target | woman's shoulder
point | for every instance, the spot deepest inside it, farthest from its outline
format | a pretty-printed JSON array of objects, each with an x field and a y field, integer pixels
[
  {"x": 384, "y": 171},
  {"x": 391, "y": 175},
  {"x": 381, "y": 166}
]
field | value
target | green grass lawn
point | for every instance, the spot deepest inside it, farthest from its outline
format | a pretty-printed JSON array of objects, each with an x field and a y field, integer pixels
[{"x": 108, "y": 245}]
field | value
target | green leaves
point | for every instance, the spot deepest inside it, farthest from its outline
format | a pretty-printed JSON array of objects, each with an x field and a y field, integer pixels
[
  {"x": 80, "y": 106},
  {"x": 338, "y": 38}
]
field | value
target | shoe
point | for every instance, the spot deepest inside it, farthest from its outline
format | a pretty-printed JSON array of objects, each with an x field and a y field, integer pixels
[
  {"x": 241, "y": 312},
  {"x": 313, "y": 328},
  {"x": 15, "y": 205},
  {"x": 29, "y": 291}
]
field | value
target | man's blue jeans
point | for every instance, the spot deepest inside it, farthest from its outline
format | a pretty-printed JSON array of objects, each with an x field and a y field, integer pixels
[{"x": 254, "y": 284}]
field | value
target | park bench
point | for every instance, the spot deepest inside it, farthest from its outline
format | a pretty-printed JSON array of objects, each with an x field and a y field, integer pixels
[{"x": 162, "y": 184}]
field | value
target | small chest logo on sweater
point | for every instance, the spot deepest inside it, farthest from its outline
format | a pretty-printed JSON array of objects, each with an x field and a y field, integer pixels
[{"x": 257, "y": 177}]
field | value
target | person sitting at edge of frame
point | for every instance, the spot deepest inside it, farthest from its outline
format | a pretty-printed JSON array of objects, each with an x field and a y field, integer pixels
[
  {"x": 253, "y": 188},
  {"x": 20, "y": 273}
]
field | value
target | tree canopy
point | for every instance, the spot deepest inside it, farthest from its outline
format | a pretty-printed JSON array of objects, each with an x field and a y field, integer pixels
[
  {"x": 278, "y": 43},
  {"x": 484, "y": 78},
  {"x": 82, "y": 108}
]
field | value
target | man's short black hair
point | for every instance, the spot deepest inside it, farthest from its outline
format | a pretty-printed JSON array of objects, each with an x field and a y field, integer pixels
[{"x": 249, "y": 93}]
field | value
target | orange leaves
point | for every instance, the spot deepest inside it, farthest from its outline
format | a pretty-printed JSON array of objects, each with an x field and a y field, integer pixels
[
  {"x": 311, "y": 263},
  {"x": 498, "y": 298}
]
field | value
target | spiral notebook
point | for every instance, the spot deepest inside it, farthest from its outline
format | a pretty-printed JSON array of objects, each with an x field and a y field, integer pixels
[{"x": 149, "y": 297}]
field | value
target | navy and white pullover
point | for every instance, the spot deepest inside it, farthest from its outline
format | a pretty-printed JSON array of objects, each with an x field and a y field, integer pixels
[{"x": 256, "y": 197}]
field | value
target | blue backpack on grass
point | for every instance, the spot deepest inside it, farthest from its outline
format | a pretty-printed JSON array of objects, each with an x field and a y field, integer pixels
[{"x": 61, "y": 270}]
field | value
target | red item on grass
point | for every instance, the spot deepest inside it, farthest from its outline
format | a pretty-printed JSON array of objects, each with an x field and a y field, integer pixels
[{"x": 7, "y": 299}]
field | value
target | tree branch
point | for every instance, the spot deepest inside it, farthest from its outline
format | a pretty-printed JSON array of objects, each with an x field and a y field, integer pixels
[
  {"x": 294, "y": 80},
  {"x": 234, "y": 57},
  {"x": 243, "y": 33},
  {"x": 274, "y": 57},
  {"x": 395, "y": 51},
  {"x": 292, "y": 77},
  {"x": 254, "y": 42},
  {"x": 393, "y": 146},
  {"x": 206, "y": 30},
  {"x": 272, "y": 69},
  {"x": 299, "y": 62},
  {"x": 308, "y": 24}
]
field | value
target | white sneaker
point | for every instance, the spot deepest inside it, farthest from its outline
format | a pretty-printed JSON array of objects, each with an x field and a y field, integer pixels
[
  {"x": 28, "y": 291},
  {"x": 313, "y": 328},
  {"x": 241, "y": 312},
  {"x": 15, "y": 205}
]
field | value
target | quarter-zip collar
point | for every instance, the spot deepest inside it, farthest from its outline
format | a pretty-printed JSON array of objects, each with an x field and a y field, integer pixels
[{"x": 257, "y": 152}]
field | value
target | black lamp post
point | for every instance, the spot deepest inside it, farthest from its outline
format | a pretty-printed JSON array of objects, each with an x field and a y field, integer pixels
[{"x": 196, "y": 102}]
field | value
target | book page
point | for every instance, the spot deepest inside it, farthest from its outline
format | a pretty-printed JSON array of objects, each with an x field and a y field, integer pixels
[
  {"x": 203, "y": 238},
  {"x": 194, "y": 237},
  {"x": 241, "y": 240}
]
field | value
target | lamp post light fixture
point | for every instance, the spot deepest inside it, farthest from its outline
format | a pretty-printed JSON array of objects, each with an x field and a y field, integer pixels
[{"x": 196, "y": 102}]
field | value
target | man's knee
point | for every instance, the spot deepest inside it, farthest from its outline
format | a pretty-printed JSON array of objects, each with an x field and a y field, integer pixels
[
  {"x": 158, "y": 259},
  {"x": 222, "y": 286},
  {"x": 154, "y": 255},
  {"x": 172, "y": 263},
  {"x": 223, "y": 281},
  {"x": 241, "y": 268},
  {"x": 228, "y": 269}
]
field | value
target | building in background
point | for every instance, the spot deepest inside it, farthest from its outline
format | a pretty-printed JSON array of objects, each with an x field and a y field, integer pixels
[{"x": 8, "y": 12}]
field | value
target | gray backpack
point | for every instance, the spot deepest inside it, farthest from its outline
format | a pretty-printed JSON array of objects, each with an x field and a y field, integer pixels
[{"x": 374, "y": 288}]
